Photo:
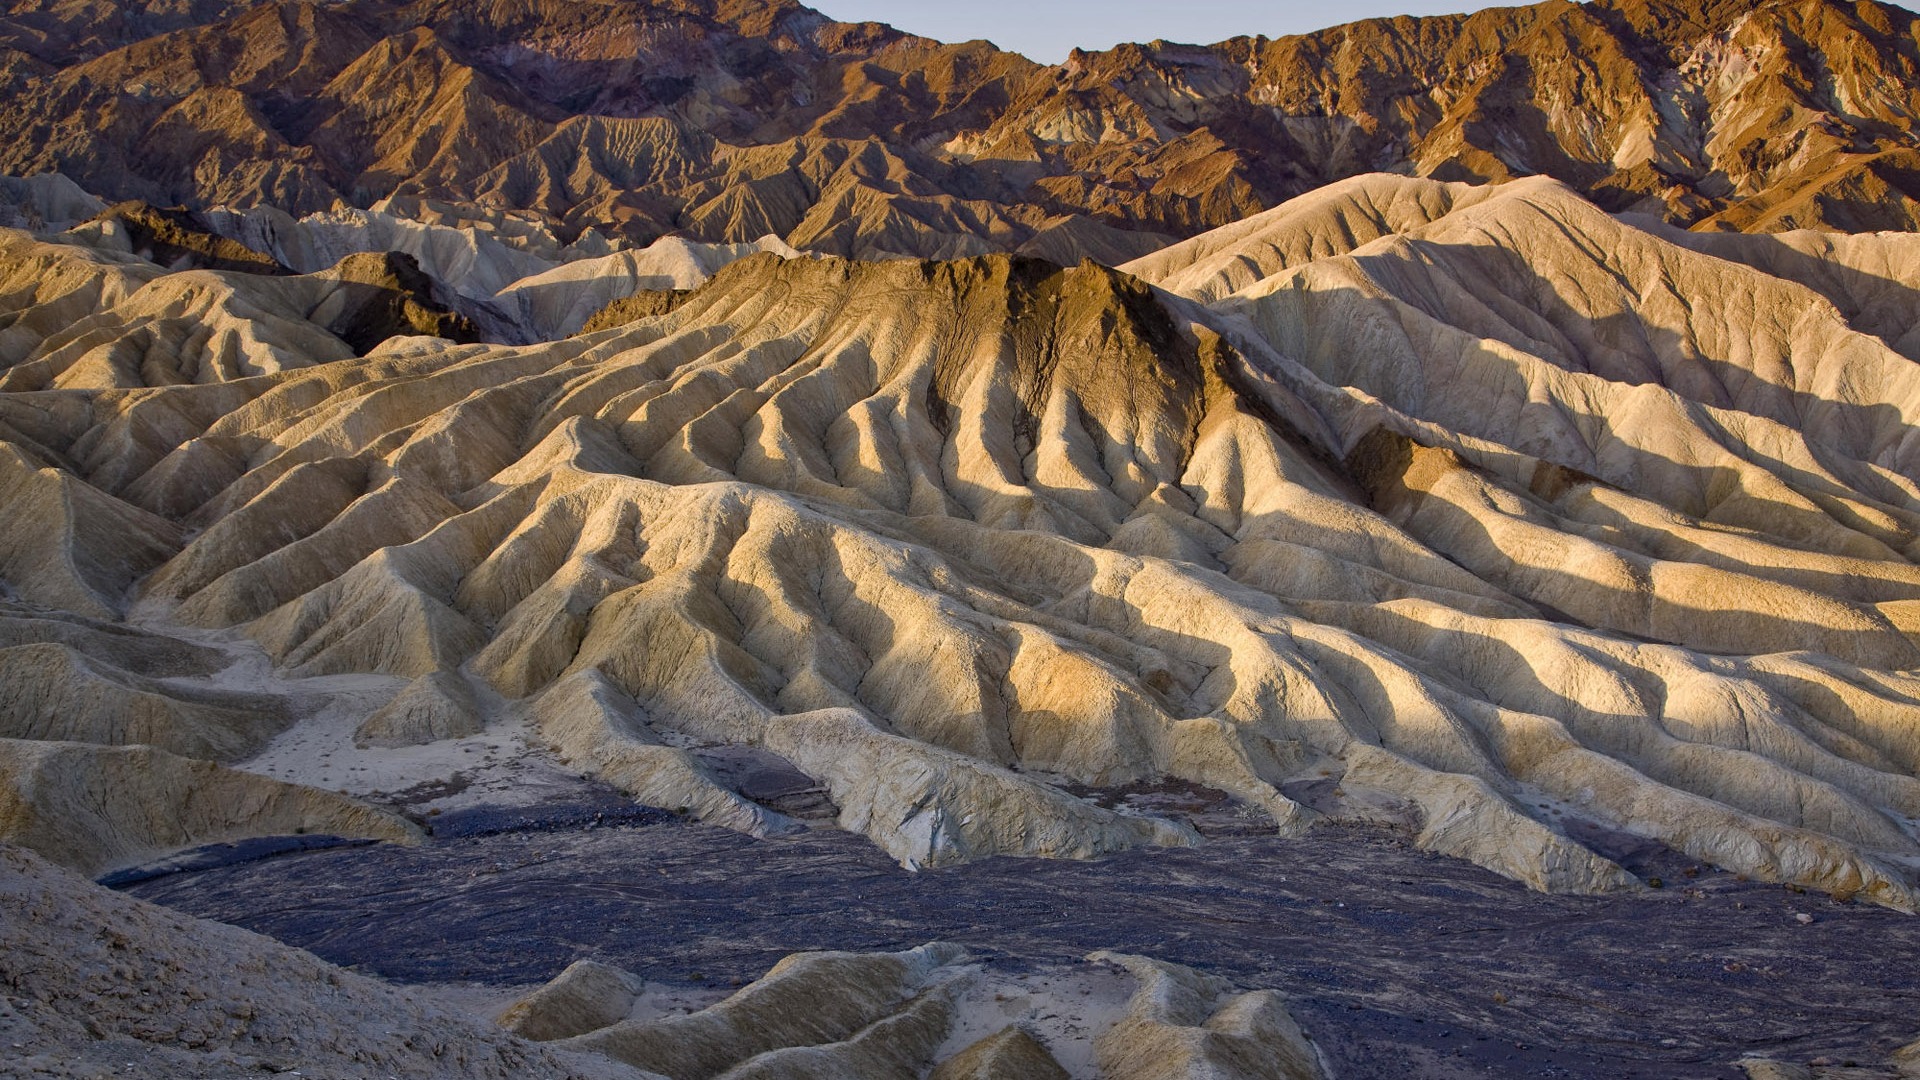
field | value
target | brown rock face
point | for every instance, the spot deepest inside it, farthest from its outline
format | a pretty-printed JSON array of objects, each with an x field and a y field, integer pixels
[
  {"x": 382, "y": 296},
  {"x": 172, "y": 238},
  {"x": 728, "y": 120},
  {"x": 640, "y": 305}
]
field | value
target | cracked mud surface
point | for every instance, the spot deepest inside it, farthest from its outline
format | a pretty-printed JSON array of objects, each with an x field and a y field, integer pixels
[{"x": 1398, "y": 962}]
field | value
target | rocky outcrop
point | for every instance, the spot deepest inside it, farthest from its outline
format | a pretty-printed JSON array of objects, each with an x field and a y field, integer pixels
[
  {"x": 173, "y": 239},
  {"x": 641, "y": 305},
  {"x": 384, "y": 296}
]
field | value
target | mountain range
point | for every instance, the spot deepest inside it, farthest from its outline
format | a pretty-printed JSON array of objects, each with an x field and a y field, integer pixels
[{"x": 728, "y": 120}]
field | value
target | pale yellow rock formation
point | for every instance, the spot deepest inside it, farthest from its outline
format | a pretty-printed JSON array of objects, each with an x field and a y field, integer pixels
[
  {"x": 82, "y": 312},
  {"x": 1326, "y": 222},
  {"x": 1182, "y": 1023},
  {"x": 929, "y": 806},
  {"x": 1906, "y": 1060},
  {"x": 142, "y": 327},
  {"x": 477, "y": 258},
  {"x": 896, "y": 1047},
  {"x": 812, "y": 1012},
  {"x": 919, "y": 1013},
  {"x": 555, "y": 303},
  {"x": 592, "y": 724},
  {"x": 512, "y": 266},
  {"x": 68, "y": 547}
]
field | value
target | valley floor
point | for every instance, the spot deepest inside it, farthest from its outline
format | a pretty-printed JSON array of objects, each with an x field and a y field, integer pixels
[{"x": 1397, "y": 962}]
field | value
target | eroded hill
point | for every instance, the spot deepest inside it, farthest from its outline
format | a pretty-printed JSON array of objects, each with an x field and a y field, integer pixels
[{"x": 1473, "y": 513}]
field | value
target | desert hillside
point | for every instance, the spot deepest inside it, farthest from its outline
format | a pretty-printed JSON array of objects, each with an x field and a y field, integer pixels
[
  {"x": 1475, "y": 511},
  {"x": 1478, "y": 453}
]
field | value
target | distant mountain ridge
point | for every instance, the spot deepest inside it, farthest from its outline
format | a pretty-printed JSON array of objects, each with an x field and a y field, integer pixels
[{"x": 728, "y": 120}]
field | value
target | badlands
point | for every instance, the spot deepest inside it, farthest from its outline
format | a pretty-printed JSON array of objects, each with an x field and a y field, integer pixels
[{"x": 509, "y": 522}]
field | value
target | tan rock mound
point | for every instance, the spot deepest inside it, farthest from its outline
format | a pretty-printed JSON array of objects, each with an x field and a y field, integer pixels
[
  {"x": 1182, "y": 1023},
  {"x": 69, "y": 547},
  {"x": 1011, "y": 1054},
  {"x": 431, "y": 708},
  {"x": 1333, "y": 220},
  {"x": 900, "y": 1045},
  {"x": 96, "y": 808},
  {"x": 869, "y": 1016},
  {"x": 863, "y": 1013},
  {"x": 155, "y": 655},
  {"x": 586, "y": 997},
  {"x": 592, "y": 723},
  {"x": 59, "y": 694}
]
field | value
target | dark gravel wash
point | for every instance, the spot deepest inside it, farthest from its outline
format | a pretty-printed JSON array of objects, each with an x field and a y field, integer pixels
[{"x": 1399, "y": 963}]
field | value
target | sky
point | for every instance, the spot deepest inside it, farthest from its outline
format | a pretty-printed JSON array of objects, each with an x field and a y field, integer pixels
[{"x": 1045, "y": 29}]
